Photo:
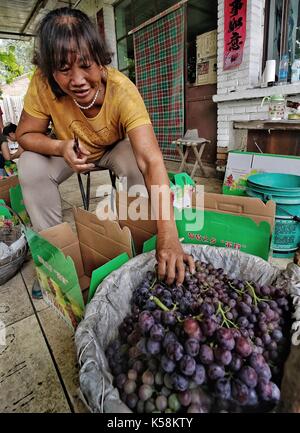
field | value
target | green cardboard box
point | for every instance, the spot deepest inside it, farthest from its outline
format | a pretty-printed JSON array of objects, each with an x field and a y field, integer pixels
[
  {"x": 242, "y": 223},
  {"x": 70, "y": 266}
]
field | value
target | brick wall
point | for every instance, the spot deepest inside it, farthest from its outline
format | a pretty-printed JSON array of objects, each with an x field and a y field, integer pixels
[{"x": 239, "y": 95}]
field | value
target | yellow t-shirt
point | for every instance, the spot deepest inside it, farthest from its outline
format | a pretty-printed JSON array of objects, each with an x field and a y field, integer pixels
[{"x": 123, "y": 109}]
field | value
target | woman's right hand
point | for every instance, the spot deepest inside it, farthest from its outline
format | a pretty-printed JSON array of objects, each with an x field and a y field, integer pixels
[{"x": 77, "y": 160}]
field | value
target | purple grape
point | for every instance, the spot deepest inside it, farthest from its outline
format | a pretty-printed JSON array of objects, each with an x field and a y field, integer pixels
[
  {"x": 129, "y": 386},
  {"x": 248, "y": 375},
  {"x": 223, "y": 356},
  {"x": 265, "y": 372},
  {"x": 169, "y": 318},
  {"x": 150, "y": 305},
  {"x": 148, "y": 377},
  {"x": 243, "y": 347},
  {"x": 167, "y": 364},
  {"x": 207, "y": 309},
  {"x": 185, "y": 398},
  {"x": 252, "y": 398},
  {"x": 277, "y": 335},
  {"x": 240, "y": 392},
  {"x": 236, "y": 362},
  {"x": 187, "y": 365},
  {"x": 157, "y": 315},
  {"x": 174, "y": 351},
  {"x": 199, "y": 375},
  {"x": 266, "y": 338},
  {"x": 257, "y": 361},
  {"x": 247, "y": 299},
  {"x": 167, "y": 301},
  {"x": 120, "y": 380},
  {"x": 153, "y": 347},
  {"x": 215, "y": 371},
  {"x": 244, "y": 309},
  {"x": 265, "y": 389},
  {"x": 145, "y": 392},
  {"x": 206, "y": 354},
  {"x": 170, "y": 337},
  {"x": 192, "y": 346},
  {"x": 159, "y": 378},
  {"x": 272, "y": 345},
  {"x": 223, "y": 389},
  {"x": 179, "y": 382},
  {"x": 225, "y": 338},
  {"x": 157, "y": 332},
  {"x": 242, "y": 322},
  {"x": 161, "y": 403},
  {"x": 146, "y": 321},
  {"x": 275, "y": 392},
  {"x": 132, "y": 400},
  {"x": 252, "y": 318},
  {"x": 208, "y": 327}
]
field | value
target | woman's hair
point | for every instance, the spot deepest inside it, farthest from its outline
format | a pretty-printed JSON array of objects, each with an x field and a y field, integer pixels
[
  {"x": 62, "y": 35},
  {"x": 10, "y": 127}
]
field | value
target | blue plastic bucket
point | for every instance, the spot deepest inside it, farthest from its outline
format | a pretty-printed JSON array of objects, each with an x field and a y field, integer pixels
[{"x": 284, "y": 190}]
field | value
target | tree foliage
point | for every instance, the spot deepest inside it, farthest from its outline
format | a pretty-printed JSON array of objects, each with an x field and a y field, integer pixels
[
  {"x": 9, "y": 67},
  {"x": 15, "y": 60}
]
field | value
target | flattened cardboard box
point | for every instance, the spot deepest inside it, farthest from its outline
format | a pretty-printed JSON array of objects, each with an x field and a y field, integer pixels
[
  {"x": 5, "y": 185},
  {"x": 241, "y": 165},
  {"x": 233, "y": 222},
  {"x": 68, "y": 265}
]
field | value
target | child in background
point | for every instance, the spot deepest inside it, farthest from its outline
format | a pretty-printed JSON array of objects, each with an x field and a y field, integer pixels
[{"x": 10, "y": 148}]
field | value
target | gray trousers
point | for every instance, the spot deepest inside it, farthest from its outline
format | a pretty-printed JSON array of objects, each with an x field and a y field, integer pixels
[{"x": 40, "y": 175}]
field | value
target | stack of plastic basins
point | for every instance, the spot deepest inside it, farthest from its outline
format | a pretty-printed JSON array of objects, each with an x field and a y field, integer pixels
[{"x": 284, "y": 189}]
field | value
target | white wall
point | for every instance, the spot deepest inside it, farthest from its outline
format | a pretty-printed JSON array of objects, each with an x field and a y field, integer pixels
[
  {"x": 91, "y": 7},
  {"x": 239, "y": 94}
]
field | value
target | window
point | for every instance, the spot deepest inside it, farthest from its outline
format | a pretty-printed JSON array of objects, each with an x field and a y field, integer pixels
[{"x": 282, "y": 30}]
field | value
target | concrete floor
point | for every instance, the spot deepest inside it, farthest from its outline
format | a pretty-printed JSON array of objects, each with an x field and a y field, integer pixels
[{"x": 38, "y": 368}]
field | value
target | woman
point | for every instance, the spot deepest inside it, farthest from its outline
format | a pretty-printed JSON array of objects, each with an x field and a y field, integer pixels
[
  {"x": 75, "y": 89},
  {"x": 10, "y": 148}
]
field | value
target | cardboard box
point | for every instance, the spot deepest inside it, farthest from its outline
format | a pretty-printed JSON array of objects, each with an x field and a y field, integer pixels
[
  {"x": 240, "y": 165},
  {"x": 5, "y": 185},
  {"x": 70, "y": 265},
  {"x": 242, "y": 223},
  {"x": 206, "y": 45},
  {"x": 206, "y": 71}
]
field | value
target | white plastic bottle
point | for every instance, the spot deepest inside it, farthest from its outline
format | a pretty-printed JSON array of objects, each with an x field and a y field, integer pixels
[{"x": 295, "y": 71}]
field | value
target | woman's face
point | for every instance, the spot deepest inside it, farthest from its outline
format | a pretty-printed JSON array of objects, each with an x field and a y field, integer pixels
[{"x": 79, "y": 79}]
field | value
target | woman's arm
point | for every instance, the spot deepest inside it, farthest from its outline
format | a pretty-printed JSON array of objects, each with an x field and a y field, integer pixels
[
  {"x": 5, "y": 151},
  {"x": 17, "y": 153},
  {"x": 31, "y": 135},
  {"x": 169, "y": 252}
]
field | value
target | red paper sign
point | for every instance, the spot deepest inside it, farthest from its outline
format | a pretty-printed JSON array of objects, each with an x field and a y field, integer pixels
[{"x": 235, "y": 13}]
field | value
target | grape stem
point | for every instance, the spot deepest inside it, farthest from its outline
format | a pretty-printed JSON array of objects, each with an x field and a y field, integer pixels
[
  {"x": 254, "y": 295},
  {"x": 234, "y": 288},
  {"x": 226, "y": 321},
  {"x": 153, "y": 284},
  {"x": 159, "y": 303}
]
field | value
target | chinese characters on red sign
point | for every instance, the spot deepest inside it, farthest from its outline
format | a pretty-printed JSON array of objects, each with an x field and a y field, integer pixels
[{"x": 235, "y": 13}]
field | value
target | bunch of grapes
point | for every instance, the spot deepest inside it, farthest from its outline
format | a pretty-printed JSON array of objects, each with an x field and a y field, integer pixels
[{"x": 210, "y": 344}]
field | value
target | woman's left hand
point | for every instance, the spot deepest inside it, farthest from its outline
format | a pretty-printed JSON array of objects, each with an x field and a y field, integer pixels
[{"x": 171, "y": 259}]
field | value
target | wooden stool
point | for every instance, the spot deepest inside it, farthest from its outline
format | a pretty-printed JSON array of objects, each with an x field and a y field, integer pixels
[{"x": 198, "y": 146}]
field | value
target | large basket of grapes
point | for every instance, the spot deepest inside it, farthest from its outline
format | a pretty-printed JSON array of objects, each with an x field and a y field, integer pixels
[{"x": 217, "y": 343}]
